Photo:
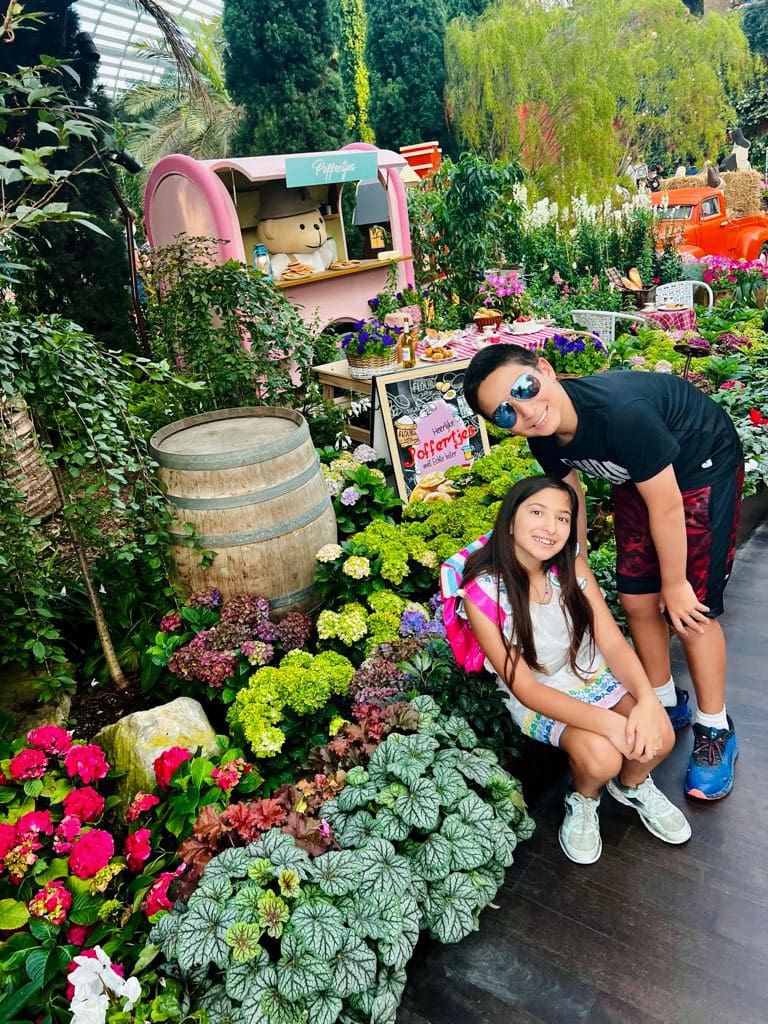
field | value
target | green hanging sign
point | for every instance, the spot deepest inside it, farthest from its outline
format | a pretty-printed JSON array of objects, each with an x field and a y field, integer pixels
[{"x": 324, "y": 168}]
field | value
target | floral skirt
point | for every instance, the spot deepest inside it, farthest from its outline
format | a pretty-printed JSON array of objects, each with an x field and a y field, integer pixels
[{"x": 603, "y": 690}]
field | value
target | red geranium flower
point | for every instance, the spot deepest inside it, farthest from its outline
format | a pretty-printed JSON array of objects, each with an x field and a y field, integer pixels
[
  {"x": 50, "y": 738},
  {"x": 87, "y": 762},
  {"x": 28, "y": 764},
  {"x": 758, "y": 420},
  {"x": 141, "y": 802},
  {"x": 137, "y": 849},
  {"x": 91, "y": 852},
  {"x": 85, "y": 803},
  {"x": 167, "y": 763}
]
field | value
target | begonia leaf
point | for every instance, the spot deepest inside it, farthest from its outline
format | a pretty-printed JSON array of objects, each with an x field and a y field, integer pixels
[
  {"x": 382, "y": 869},
  {"x": 300, "y": 975},
  {"x": 357, "y": 830},
  {"x": 240, "y": 980},
  {"x": 243, "y": 938},
  {"x": 433, "y": 858},
  {"x": 373, "y": 915},
  {"x": 421, "y": 807},
  {"x": 229, "y": 864},
  {"x": 504, "y": 841},
  {"x": 215, "y": 886},
  {"x": 320, "y": 927},
  {"x": 450, "y": 785},
  {"x": 219, "y": 1007},
  {"x": 351, "y": 798},
  {"x": 459, "y": 729},
  {"x": 389, "y": 826},
  {"x": 323, "y": 1008},
  {"x": 282, "y": 851},
  {"x": 353, "y": 966},
  {"x": 425, "y": 705},
  {"x": 201, "y": 935},
  {"x": 413, "y": 755},
  {"x": 336, "y": 872},
  {"x": 469, "y": 847}
]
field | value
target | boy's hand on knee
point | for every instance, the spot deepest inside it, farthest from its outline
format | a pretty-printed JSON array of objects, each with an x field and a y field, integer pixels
[{"x": 684, "y": 610}]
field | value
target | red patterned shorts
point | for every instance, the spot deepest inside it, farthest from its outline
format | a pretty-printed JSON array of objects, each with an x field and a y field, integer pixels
[{"x": 711, "y": 520}]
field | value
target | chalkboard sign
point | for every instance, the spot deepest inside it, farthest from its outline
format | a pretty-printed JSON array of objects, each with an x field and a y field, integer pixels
[{"x": 428, "y": 426}]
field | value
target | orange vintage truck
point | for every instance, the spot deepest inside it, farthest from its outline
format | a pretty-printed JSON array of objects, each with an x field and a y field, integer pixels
[{"x": 702, "y": 227}]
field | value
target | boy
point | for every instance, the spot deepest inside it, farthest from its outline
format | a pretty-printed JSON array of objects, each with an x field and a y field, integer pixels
[{"x": 676, "y": 465}]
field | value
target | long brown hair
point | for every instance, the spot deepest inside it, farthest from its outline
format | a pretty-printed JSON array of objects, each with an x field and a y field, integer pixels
[{"x": 498, "y": 558}]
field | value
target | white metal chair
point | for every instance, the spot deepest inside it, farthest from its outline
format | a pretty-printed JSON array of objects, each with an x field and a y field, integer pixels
[
  {"x": 602, "y": 321},
  {"x": 682, "y": 292}
]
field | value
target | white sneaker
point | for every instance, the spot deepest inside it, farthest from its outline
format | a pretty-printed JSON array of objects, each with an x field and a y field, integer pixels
[
  {"x": 657, "y": 812},
  {"x": 580, "y": 832}
]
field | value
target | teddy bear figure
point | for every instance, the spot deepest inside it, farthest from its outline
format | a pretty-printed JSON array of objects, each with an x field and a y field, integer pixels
[{"x": 293, "y": 229}]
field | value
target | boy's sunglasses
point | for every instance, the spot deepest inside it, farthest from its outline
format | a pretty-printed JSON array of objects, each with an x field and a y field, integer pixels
[{"x": 525, "y": 387}]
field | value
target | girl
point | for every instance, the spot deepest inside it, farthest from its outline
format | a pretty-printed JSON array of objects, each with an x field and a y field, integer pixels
[{"x": 546, "y": 631}]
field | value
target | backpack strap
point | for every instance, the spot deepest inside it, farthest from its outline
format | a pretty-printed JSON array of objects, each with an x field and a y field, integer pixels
[{"x": 466, "y": 649}]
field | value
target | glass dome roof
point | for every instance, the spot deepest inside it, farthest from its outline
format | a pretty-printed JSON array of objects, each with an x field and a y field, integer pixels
[{"x": 116, "y": 27}]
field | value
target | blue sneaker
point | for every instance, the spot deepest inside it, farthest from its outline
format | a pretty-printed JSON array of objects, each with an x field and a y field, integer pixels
[
  {"x": 680, "y": 715},
  {"x": 710, "y": 769}
]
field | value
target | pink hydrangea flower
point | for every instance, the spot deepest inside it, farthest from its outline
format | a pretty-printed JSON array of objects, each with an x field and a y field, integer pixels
[
  {"x": 28, "y": 764},
  {"x": 68, "y": 829},
  {"x": 91, "y": 852},
  {"x": 141, "y": 802},
  {"x": 84, "y": 803},
  {"x": 87, "y": 762},
  {"x": 7, "y": 839},
  {"x": 137, "y": 849},
  {"x": 77, "y": 934},
  {"x": 50, "y": 738},
  {"x": 228, "y": 775},
  {"x": 170, "y": 622},
  {"x": 34, "y": 822},
  {"x": 167, "y": 763},
  {"x": 51, "y": 902}
]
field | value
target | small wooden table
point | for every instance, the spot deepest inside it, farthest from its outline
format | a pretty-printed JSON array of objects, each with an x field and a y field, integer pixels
[{"x": 335, "y": 378}]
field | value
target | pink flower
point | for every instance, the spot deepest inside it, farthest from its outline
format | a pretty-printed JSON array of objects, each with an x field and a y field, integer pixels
[
  {"x": 91, "y": 852},
  {"x": 167, "y": 763},
  {"x": 34, "y": 821},
  {"x": 77, "y": 934},
  {"x": 228, "y": 775},
  {"x": 28, "y": 764},
  {"x": 68, "y": 830},
  {"x": 157, "y": 898},
  {"x": 87, "y": 762},
  {"x": 141, "y": 802},
  {"x": 7, "y": 839},
  {"x": 50, "y": 738},
  {"x": 51, "y": 902},
  {"x": 85, "y": 803},
  {"x": 137, "y": 849},
  {"x": 170, "y": 622}
]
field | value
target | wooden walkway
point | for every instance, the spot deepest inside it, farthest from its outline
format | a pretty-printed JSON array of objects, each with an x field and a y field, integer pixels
[{"x": 651, "y": 934}]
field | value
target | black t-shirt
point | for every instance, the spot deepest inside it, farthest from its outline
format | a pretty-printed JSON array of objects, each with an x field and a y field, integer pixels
[{"x": 633, "y": 424}]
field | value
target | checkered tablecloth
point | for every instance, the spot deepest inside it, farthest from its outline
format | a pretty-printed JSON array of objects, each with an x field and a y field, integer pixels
[
  {"x": 672, "y": 319},
  {"x": 465, "y": 349}
]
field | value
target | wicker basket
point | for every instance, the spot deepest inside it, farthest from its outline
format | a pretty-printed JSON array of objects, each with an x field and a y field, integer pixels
[
  {"x": 366, "y": 367},
  {"x": 487, "y": 318}
]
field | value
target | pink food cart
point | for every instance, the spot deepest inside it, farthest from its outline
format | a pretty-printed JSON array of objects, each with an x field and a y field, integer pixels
[{"x": 219, "y": 199}]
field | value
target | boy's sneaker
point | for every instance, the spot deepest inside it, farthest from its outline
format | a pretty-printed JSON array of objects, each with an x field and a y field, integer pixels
[
  {"x": 710, "y": 769},
  {"x": 680, "y": 715},
  {"x": 657, "y": 812},
  {"x": 580, "y": 832}
]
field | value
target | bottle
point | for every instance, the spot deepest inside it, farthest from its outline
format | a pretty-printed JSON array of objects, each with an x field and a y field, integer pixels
[
  {"x": 261, "y": 261},
  {"x": 409, "y": 349}
]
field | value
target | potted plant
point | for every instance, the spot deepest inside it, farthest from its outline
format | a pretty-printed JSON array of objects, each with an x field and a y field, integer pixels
[{"x": 370, "y": 348}]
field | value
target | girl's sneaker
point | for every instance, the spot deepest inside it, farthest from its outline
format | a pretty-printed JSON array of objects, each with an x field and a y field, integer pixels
[
  {"x": 657, "y": 812},
  {"x": 580, "y": 832}
]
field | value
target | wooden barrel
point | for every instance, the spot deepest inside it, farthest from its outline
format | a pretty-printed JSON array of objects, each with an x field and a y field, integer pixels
[{"x": 249, "y": 482}]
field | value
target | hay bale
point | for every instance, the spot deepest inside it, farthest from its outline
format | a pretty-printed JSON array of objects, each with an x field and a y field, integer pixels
[{"x": 742, "y": 190}]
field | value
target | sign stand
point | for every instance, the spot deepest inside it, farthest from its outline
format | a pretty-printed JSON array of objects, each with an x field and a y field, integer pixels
[{"x": 420, "y": 420}]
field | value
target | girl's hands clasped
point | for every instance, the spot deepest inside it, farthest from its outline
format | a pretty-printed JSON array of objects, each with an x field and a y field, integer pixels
[{"x": 644, "y": 729}]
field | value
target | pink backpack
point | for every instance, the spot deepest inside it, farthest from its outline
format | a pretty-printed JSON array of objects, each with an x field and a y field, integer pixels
[{"x": 466, "y": 649}]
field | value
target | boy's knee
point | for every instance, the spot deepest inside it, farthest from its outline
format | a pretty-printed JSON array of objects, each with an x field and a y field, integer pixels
[{"x": 640, "y": 606}]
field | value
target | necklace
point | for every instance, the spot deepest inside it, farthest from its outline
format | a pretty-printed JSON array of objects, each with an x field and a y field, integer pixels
[{"x": 547, "y": 593}]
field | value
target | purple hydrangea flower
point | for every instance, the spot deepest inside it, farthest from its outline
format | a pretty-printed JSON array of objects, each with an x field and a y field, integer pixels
[{"x": 350, "y": 496}]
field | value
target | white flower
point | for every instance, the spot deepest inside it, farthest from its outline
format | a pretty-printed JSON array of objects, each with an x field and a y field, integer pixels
[{"x": 131, "y": 993}]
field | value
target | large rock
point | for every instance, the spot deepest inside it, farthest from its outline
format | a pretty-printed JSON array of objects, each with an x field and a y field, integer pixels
[
  {"x": 20, "y": 698},
  {"x": 133, "y": 742}
]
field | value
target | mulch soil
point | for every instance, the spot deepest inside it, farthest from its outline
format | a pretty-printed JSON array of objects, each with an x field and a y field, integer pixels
[{"x": 94, "y": 707}]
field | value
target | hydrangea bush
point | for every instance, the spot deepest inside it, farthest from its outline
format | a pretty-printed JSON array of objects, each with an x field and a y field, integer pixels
[
  {"x": 358, "y": 487},
  {"x": 212, "y": 645}
]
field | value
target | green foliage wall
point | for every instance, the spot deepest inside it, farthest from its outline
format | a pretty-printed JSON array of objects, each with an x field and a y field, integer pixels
[
  {"x": 76, "y": 272},
  {"x": 354, "y": 71},
  {"x": 282, "y": 66},
  {"x": 755, "y": 25},
  {"x": 405, "y": 59}
]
